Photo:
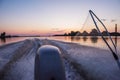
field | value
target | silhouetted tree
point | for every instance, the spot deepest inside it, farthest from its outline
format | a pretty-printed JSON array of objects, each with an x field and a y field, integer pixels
[
  {"x": 94, "y": 32},
  {"x": 65, "y": 34},
  {"x": 73, "y": 33},
  {"x": 3, "y": 35},
  {"x": 78, "y": 33},
  {"x": 104, "y": 33},
  {"x": 85, "y": 33}
]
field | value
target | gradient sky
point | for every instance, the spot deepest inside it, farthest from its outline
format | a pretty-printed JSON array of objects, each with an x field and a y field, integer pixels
[{"x": 53, "y": 16}]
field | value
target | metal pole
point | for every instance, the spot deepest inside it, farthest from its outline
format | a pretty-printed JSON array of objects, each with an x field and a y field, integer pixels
[{"x": 114, "y": 54}]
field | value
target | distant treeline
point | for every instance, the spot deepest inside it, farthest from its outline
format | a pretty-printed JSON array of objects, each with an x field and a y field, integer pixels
[
  {"x": 3, "y": 35},
  {"x": 93, "y": 32}
]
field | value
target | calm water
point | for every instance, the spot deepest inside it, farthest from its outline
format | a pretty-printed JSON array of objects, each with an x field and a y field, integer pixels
[{"x": 88, "y": 41}]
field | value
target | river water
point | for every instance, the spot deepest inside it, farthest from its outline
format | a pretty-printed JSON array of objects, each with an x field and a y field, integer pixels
[{"x": 87, "y": 41}]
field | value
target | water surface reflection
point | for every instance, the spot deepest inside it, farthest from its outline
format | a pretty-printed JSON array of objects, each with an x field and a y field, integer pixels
[
  {"x": 86, "y": 40},
  {"x": 3, "y": 40}
]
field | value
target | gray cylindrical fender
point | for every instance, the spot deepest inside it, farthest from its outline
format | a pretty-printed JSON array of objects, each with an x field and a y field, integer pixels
[{"x": 48, "y": 64}]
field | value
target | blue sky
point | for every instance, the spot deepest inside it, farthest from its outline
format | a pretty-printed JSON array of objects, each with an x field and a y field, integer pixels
[{"x": 52, "y": 16}]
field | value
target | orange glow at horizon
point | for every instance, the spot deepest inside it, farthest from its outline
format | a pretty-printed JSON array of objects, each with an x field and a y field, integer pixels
[{"x": 51, "y": 31}]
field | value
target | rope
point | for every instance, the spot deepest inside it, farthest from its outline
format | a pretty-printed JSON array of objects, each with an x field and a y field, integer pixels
[{"x": 84, "y": 22}]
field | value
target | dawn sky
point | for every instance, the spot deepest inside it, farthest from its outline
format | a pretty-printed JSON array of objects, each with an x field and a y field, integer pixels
[{"x": 53, "y": 16}]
